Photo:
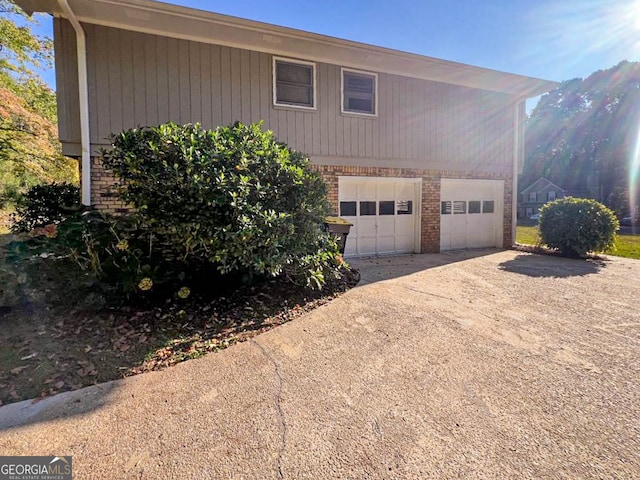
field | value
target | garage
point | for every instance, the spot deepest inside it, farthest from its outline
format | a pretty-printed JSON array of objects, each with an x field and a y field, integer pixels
[
  {"x": 385, "y": 213},
  {"x": 471, "y": 213}
]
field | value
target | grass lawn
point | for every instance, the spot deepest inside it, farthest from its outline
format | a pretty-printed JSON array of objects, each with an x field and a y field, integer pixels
[{"x": 626, "y": 245}]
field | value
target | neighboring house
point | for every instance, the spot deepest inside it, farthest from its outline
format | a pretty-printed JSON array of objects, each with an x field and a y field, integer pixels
[
  {"x": 418, "y": 153},
  {"x": 533, "y": 197}
]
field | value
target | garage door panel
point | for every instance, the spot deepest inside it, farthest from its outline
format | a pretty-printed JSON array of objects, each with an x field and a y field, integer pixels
[
  {"x": 471, "y": 213},
  {"x": 385, "y": 217},
  {"x": 367, "y": 245},
  {"x": 366, "y": 227},
  {"x": 404, "y": 243},
  {"x": 386, "y": 191}
]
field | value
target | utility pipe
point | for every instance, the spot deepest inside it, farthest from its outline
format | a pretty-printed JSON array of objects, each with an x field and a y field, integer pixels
[{"x": 83, "y": 94}]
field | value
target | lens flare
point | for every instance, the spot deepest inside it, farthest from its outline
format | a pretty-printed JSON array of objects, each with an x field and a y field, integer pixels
[{"x": 634, "y": 177}]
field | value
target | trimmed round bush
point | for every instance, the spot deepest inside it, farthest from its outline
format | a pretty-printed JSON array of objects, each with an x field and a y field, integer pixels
[
  {"x": 45, "y": 204},
  {"x": 233, "y": 197},
  {"x": 577, "y": 226}
]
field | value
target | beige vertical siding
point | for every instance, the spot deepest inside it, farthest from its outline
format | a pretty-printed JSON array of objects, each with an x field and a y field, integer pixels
[{"x": 139, "y": 79}]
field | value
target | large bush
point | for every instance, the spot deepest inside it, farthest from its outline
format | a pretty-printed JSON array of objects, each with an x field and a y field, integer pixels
[
  {"x": 44, "y": 205},
  {"x": 233, "y": 197},
  {"x": 577, "y": 226}
]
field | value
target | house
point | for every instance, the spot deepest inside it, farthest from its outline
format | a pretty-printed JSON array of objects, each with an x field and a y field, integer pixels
[
  {"x": 533, "y": 197},
  {"x": 420, "y": 154}
]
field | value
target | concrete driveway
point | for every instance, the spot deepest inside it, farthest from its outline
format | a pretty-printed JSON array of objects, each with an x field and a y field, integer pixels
[{"x": 463, "y": 365}]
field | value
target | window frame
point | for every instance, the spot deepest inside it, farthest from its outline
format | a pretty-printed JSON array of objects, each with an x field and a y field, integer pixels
[
  {"x": 551, "y": 193},
  {"x": 533, "y": 196},
  {"x": 314, "y": 85},
  {"x": 375, "y": 92}
]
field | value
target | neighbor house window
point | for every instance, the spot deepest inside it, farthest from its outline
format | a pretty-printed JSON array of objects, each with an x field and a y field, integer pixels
[
  {"x": 533, "y": 197},
  {"x": 359, "y": 92},
  {"x": 294, "y": 83},
  {"x": 551, "y": 196}
]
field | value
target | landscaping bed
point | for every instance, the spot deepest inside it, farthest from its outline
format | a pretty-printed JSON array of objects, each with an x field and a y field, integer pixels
[{"x": 55, "y": 340}]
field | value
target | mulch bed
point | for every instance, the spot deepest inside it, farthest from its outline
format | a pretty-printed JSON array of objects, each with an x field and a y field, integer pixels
[{"x": 48, "y": 350}]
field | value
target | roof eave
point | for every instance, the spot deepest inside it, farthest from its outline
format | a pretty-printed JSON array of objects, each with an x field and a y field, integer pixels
[{"x": 190, "y": 24}]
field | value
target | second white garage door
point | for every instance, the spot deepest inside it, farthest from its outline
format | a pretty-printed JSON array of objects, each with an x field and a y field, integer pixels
[
  {"x": 384, "y": 213},
  {"x": 471, "y": 213}
]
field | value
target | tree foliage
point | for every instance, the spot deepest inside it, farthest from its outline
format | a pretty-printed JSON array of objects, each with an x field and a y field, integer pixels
[
  {"x": 582, "y": 135},
  {"x": 30, "y": 152}
]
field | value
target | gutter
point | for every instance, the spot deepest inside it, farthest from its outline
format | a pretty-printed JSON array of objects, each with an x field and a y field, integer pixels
[{"x": 83, "y": 93}]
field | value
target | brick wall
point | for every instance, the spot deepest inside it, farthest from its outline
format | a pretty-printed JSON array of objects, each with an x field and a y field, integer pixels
[
  {"x": 104, "y": 198},
  {"x": 430, "y": 214},
  {"x": 103, "y": 195}
]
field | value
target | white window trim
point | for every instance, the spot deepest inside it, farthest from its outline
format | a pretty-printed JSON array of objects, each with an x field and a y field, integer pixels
[
  {"x": 375, "y": 92},
  {"x": 315, "y": 83}
]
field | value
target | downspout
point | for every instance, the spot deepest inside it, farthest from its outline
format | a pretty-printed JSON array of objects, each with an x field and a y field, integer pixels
[
  {"x": 83, "y": 93},
  {"x": 517, "y": 152}
]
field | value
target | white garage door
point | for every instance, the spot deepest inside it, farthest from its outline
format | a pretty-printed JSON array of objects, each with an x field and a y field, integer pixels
[
  {"x": 384, "y": 213},
  {"x": 471, "y": 213}
]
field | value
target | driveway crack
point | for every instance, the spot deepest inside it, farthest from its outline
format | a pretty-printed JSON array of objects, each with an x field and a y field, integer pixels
[{"x": 278, "y": 405}]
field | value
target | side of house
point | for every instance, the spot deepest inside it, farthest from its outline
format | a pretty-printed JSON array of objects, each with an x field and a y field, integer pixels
[{"x": 418, "y": 153}]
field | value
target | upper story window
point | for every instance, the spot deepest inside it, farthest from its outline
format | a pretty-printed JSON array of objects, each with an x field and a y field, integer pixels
[
  {"x": 359, "y": 93},
  {"x": 551, "y": 196},
  {"x": 294, "y": 83},
  {"x": 533, "y": 197}
]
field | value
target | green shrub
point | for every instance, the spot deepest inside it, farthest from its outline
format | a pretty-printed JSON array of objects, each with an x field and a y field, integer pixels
[
  {"x": 44, "y": 205},
  {"x": 234, "y": 198},
  {"x": 577, "y": 226}
]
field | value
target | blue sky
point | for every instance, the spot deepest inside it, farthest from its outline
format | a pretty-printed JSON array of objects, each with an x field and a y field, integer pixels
[{"x": 556, "y": 40}]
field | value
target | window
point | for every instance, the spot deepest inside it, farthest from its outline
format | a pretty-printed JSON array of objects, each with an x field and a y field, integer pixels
[
  {"x": 445, "y": 208},
  {"x": 367, "y": 208},
  {"x": 347, "y": 209},
  {"x": 294, "y": 83},
  {"x": 528, "y": 212},
  {"x": 474, "y": 206},
  {"x": 359, "y": 92},
  {"x": 487, "y": 206},
  {"x": 459, "y": 206},
  {"x": 533, "y": 197},
  {"x": 404, "y": 207},
  {"x": 551, "y": 196},
  {"x": 387, "y": 207}
]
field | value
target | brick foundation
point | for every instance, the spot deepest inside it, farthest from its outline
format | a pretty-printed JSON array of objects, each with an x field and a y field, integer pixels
[
  {"x": 104, "y": 198},
  {"x": 103, "y": 195}
]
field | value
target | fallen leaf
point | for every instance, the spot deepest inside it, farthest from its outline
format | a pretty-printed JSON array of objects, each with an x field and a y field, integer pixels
[
  {"x": 143, "y": 338},
  {"x": 29, "y": 356},
  {"x": 17, "y": 370},
  {"x": 87, "y": 349},
  {"x": 59, "y": 384}
]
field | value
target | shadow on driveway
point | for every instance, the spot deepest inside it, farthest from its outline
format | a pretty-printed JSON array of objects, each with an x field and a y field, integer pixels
[
  {"x": 376, "y": 269},
  {"x": 551, "y": 266}
]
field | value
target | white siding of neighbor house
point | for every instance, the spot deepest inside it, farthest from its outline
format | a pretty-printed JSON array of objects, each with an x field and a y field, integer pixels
[{"x": 141, "y": 79}]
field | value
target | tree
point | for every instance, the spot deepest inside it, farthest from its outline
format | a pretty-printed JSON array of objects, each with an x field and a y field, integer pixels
[
  {"x": 582, "y": 135},
  {"x": 29, "y": 149}
]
